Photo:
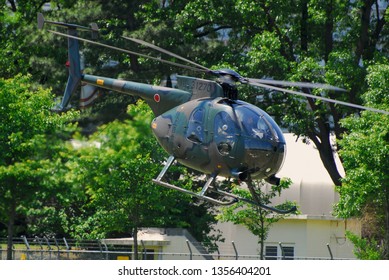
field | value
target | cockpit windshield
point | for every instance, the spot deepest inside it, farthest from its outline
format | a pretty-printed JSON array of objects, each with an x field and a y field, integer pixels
[{"x": 255, "y": 122}]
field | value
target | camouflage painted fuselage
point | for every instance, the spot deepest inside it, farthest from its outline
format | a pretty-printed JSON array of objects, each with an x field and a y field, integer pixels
[
  {"x": 206, "y": 131},
  {"x": 216, "y": 135}
]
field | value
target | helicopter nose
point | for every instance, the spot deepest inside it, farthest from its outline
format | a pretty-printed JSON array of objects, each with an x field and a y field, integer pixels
[
  {"x": 277, "y": 159},
  {"x": 265, "y": 160},
  {"x": 161, "y": 128}
]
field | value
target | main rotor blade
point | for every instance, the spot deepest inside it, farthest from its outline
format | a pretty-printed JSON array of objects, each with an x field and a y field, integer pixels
[
  {"x": 319, "y": 97},
  {"x": 152, "y": 46},
  {"x": 296, "y": 84},
  {"x": 126, "y": 51}
]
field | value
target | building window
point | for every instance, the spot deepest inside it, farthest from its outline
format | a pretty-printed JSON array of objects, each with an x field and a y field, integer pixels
[
  {"x": 288, "y": 252},
  {"x": 271, "y": 252},
  {"x": 281, "y": 252}
]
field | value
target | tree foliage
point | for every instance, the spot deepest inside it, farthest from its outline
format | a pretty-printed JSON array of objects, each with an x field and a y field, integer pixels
[
  {"x": 365, "y": 152},
  {"x": 256, "y": 219},
  {"x": 31, "y": 137}
]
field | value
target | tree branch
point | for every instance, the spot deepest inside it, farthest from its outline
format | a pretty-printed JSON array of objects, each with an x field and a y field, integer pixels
[
  {"x": 364, "y": 31},
  {"x": 209, "y": 31},
  {"x": 13, "y": 5},
  {"x": 288, "y": 54}
]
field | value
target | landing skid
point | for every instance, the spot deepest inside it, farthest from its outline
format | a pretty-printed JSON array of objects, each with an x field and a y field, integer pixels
[{"x": 231, "y": 198}]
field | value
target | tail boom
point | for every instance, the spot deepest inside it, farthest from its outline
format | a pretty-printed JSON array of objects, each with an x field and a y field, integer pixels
[{"x": 160, "y": 99}]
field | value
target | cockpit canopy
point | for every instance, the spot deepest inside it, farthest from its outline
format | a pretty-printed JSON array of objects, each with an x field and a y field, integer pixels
[
  {"x": 251, "y": 120},
  {"x": 257, "y": 123}
]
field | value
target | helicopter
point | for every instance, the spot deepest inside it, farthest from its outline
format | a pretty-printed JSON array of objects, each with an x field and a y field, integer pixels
[{"x": 201, "y": 123}]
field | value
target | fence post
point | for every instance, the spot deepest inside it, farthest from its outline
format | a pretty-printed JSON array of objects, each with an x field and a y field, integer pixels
[
  {"x": 236, "y": 251},
  {"x": 101, "y": 249},
  {"x": 48, "y": 245},
  {"x": 106, "y": 250},
  {"x": 329, "y": 250},
  {"x": 27, "y": 246},
  {"x": 26, "y": 242},
  {"x": 144, "y": 250},
  {"x": 282, "y": 250},
  {"x": 66, "y": 244},
  {"x": 67, "y": 247},
  {"x": 48, "y": 242},
  {"x": 40, "y": 244},
  {"x": 190, "y": 250},
  {"x": 58, "y": 250}
]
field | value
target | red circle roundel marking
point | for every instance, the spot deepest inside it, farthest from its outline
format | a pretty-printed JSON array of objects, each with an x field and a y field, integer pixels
[{"x": 157, "y": 97}]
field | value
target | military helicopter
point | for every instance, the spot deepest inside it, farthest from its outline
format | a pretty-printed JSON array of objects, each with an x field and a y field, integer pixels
[{"x": 201, "y": 123}]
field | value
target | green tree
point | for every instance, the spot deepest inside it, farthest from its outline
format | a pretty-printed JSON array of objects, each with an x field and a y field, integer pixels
[
  {"x": 60, "y": 200},
  {"x": 256, "y": 219},
  {"x": 28, "y": 148},
  {"x": 16, "y": 49},
  {"x": 365, "y": 152}
]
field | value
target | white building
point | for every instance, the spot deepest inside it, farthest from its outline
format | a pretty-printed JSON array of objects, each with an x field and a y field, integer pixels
[{"x": 159, "y": 244}]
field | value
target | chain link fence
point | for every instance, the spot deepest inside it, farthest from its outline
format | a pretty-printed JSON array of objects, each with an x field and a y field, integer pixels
[{"x": 62, "y": 249}]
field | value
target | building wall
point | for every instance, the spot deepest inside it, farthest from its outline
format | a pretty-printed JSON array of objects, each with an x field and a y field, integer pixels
[{"x": 308, "y": 236}]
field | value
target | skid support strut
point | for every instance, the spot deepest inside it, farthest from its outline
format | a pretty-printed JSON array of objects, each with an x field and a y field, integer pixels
[
  {"x": 231, "y": 198},
  {"x": 201, "y": 194}
]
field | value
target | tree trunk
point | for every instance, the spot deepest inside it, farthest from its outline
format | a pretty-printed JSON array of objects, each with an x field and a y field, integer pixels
[
  {"x": 327, "y": 156},
  {"x": 363, "y": 41},
  {"x": 262, "y": 236},
  {"x": 304, "y": 26},
  {"x": 135, "y": 234},
  {"x": 11, "y": 228},
  {"x": 321, "y": 138},
  {"x": 329, "y": 28},
  {"x": 386, "y": 226},
  {"x": 328, "y": 159}
]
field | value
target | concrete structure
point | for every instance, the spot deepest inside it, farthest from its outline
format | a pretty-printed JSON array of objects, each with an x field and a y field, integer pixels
[
  {"x": 159, "y": 243},
  {"x": 305, "y": 235}
]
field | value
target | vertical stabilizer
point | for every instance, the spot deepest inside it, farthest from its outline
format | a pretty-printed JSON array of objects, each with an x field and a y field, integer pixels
[
  {"x": 74, "y": 59},
  {"x": 74, "y": 78}
]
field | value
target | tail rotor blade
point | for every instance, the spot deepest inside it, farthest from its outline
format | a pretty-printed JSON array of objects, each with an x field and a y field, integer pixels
[{"x": 41, "y": 21}]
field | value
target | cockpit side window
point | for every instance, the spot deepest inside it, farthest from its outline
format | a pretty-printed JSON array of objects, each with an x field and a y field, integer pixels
[
  {"x": 225, "y": 132},
  {"x": 195, "y": 131},
  {"x": 224, "y": 124}
]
